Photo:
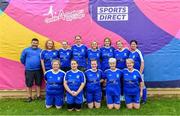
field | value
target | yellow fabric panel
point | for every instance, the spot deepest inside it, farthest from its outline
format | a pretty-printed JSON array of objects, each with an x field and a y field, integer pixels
[{"x": 14, "y": 37}]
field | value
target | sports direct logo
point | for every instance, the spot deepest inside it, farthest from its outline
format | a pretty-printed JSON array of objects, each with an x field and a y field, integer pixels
[{"x": 118, "y": 13}]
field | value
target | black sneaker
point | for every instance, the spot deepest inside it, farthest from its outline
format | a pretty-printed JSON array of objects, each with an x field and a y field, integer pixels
[
  {"x": 29, "y": 99},
  {"x": 39, "y": 98},
  {"x": 143, "y": 102}
]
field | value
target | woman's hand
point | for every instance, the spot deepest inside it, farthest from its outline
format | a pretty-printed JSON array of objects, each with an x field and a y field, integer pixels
[
  {"x": 74, "y": 93},
  {"x": 141, "y": 93}
]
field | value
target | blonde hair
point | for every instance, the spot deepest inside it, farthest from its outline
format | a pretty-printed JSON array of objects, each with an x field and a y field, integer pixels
[
  {"x": 111, "y": 60},
  {"x": 53, "y": 61},
  {"x": 130, "y": 60}
]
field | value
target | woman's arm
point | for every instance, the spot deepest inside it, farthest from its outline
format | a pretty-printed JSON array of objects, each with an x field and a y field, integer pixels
[
  {"x": 43, "y": 67},
  {"x": 141, "y": 88},
  {"x": 102, "y": 80},
  {"x": 142, "y": 67},
  {"x": 80, "y": 89},
  {"x": 67, "y": 88}
]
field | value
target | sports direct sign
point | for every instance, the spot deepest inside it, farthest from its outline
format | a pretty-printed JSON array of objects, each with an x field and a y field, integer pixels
[{"x": 118, "y": 13}]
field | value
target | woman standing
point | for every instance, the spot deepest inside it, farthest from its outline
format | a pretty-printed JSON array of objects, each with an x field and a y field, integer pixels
[
  {"x": 65, "y": 55},
  {"x": 107, "y": 51},
  {"x": 74, "y": 83},
  {"x": 94, "y": 54},
  {"x": 79, "y": 53},
  {"x": 121, "y": 54},
  {"x": 48, "y": 55}
]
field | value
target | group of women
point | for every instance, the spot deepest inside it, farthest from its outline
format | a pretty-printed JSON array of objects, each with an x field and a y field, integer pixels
[{"x": 86, "y": 73}]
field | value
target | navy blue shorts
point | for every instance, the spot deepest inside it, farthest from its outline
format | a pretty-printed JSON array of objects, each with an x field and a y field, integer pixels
[
  {"x": 74, "y": 99},
  {"x": 132, "y": 98},
  {"x": 57, "y": 100},
  {"x": 113, "y": 99},
  {"x": 94, "y": 97}
]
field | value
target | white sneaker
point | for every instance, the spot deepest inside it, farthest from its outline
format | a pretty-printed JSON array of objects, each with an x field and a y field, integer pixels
[
  {"x": 122, "y": 98},
  {"x": 58, "y": 107},
  {"x": 48, "y": 106}
]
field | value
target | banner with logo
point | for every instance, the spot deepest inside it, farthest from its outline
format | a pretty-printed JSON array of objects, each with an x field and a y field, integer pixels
[{"x": 155, "y": 24}]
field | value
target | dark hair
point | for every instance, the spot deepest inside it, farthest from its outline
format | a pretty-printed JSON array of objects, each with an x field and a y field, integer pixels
[
  {"x": 35, "y": 39},
  {"x": 64, "y": 41},
  {"x": 96, "y": 42},
  {"x": 119, "y": 41},
  {"x": 108, "y": 39},
  {"x": 78, "y": 36},
  {"x": 133, "y": 41}
]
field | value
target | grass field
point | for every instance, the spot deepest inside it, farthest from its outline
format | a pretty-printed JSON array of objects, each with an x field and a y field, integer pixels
[{"x": 154, "y": 106}]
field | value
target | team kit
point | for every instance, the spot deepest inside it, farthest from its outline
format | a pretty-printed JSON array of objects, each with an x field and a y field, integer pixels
[{"x": 77, "y": 74}]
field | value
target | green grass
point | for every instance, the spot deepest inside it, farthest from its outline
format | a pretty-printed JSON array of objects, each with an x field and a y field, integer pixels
[{"x": 154, "y": 106}]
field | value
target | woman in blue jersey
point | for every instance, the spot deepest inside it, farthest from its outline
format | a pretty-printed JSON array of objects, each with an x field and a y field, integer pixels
[
  {"x": 112, "y": 78},
  {"x": 107, "y": 51},
  {"x": 133, "y": 85},
  {"x": 74, "y": 83},
  {"x": 48, "y": 55},
  {"x": 121, "y": 54},
  {"x": 93, "y": 85},
  {"x": 54, "y": 86},
  {"x": 65, "y": 55},
  {"x": 94, "y": 54},
  {"x": 79, "y": 53},
  {"x": 137, "y": 56}
]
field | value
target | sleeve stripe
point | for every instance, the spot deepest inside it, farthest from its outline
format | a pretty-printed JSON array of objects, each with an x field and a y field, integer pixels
[
  {"x": 83, "y": 77},
  {"x": 140, "y": 54},
  {"x": 41, "y": 54}
]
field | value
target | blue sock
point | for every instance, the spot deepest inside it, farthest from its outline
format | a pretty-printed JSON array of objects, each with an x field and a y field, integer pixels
[{"x": 144, "y": 96}]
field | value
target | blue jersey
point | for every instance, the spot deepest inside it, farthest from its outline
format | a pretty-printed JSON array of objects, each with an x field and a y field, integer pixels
[
  {"x": 74, "y": 79},
  {"x": 48, "y": 56},
  {"x": 106, "y": 53},
  {"x": 113, "y": 84},
  {"x": 94, "y": 55},
  {"x": 30, "y": 57},
  {"x": 54, "y": 82},
  {"x": 121, "y": 57},
  {"x": 79, "y": 53},
  {"x": 93, "y": 80},
  {"x": 137, "y": 57},
  {"x": 131, "y": 82},
  {"x": 65, "y": 57}
]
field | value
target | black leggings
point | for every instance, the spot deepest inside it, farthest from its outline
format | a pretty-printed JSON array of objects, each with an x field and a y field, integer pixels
[{"x": 74, "y": 106}]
